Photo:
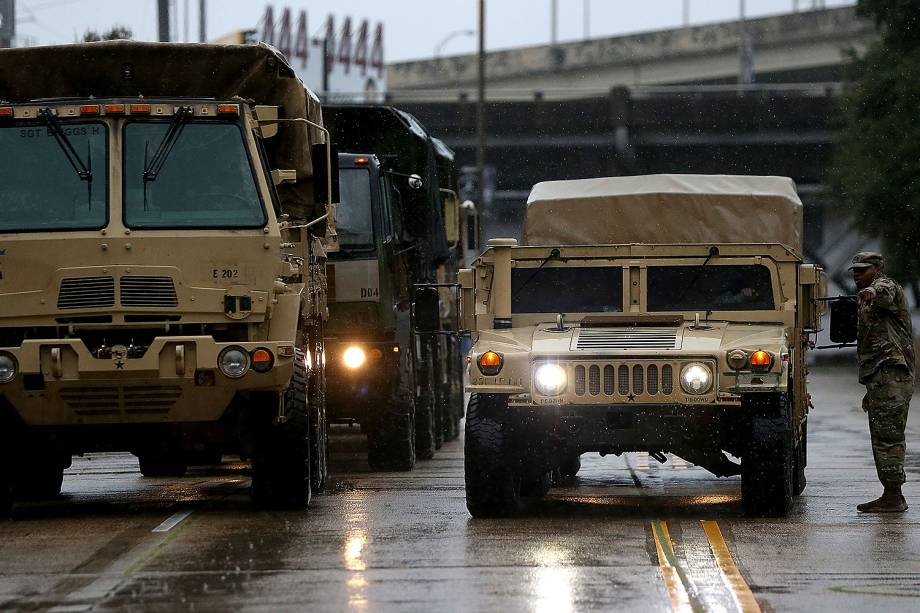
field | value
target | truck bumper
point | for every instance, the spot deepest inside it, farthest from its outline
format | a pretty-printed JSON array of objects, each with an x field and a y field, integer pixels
[{"x": 177, "y": 379}]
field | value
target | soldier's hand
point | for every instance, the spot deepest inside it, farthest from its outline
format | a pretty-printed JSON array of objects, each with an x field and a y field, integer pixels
[
  {"x": 865, "y": 405},
  {"x": 866, "y": 296}
]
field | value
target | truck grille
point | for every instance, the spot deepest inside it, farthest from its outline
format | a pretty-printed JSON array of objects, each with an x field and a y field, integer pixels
[
  {"x": 86, "y": 293},
  {"x": 642, "y": 382},
  {"x": 142, "y": 291},
  {"x": 118, "y": 400},
  {"x": 607, "y": 339}
]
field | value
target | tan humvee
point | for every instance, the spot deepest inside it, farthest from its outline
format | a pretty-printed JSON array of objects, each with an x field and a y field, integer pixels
[
  {"x": 666, "y": 314},
  {"x": 159, "y": 292}
]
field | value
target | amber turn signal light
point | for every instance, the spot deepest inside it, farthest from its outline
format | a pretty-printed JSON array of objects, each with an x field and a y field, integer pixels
[
  {"x": 490, "y": 363},
  {"x": 262, "y": 360},
  {"x": 761, "y": 360}
]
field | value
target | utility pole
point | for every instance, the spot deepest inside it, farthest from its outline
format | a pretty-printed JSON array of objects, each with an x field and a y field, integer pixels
[
  {"x": 554, "y": 21},
  {"x": 587, "y": 13},
  {"x": 480, "y": 107},
  {"x": 686, "y": 13},
  {"x": 163, "y": 21},
  {"x": 185, "y": 37},
  {"x": 7, "y": 23},
  {"x": 202, "y": 21}
]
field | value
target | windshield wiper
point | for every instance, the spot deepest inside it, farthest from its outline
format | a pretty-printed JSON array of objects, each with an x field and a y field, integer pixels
[
  {"x": 554, "y": 254},
  {"x": 713, "y": 252},
  {"x": 154, "y": 165},
  {"x": 84, "y": 171}
]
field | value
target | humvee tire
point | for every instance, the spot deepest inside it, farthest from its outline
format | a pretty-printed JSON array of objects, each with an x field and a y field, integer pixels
[
  {"x": 391, "y": 438},
  {"x": 37, "y": 482},
  {"x": 319, "y": 431},
  {"x": 801, "y": 460},
  {"x": 569, "y": 468},
  {"x": 493, "y": 480},
  {"x": 281, "y": 451},
  {"x": 767, "y": 466},
  {"x": 162, "y": 463}
]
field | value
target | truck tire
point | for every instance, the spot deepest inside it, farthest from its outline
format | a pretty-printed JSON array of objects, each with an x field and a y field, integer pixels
[
  {"x": 569, "y": 467},
  {"x": 281, "y": 450},
  {"x": 425, "y": 419},
  {"x": 491, "y": 465},
  {"x": 38, "y": 482},
  {"x": 391, "y": 439},
  {"x": 6, "y": 496},
  {"x": 162, "y": 463},
  {"x": 801, "y": 460},
  {"x": 767, "y": 465},
  {"x": 319, "y": 431}
]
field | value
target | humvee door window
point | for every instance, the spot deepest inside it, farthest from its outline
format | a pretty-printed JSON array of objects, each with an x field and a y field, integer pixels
[
  {"x": 205, "y": 182},
  {"x": 41, "y": 190},
  {"x": 567, "y": 290},
  {"x": 710, "y": 288},
  {"x": 353, "y": 217}
]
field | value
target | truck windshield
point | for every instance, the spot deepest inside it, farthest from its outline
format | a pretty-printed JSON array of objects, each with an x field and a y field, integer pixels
[
  {"x": 567, "y": 290},
  {"x": 354, "y": 216},
  {"x": 206, "y": 181},
  {"x": 41, "y": 190},
  {"x": 710, "y": 288}
]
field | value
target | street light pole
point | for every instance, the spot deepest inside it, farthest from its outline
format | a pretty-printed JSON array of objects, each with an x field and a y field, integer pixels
[
  {"x": 480, "y": 106},
  {"x": 440, "y": 46},
  {"x": 202, "y": 21}
]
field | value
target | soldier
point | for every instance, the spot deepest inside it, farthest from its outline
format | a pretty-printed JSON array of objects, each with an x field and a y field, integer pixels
[{"x": 886, "y": 367}]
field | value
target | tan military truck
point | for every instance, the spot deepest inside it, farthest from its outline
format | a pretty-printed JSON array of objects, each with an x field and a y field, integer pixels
[
  {"x": 664, "y": 314},
  {"x": 162, "y": 285}
]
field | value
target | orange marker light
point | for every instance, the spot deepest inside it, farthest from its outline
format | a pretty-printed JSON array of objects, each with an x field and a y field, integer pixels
[
  {"x": 6, "y": 111},
  {"x": 228, "y": 109},
  {"x": 262, "y": 360},
  {"x": 90, "y": 109},
  {"x": 375, "y": 353},
  {"x": 114, "y": 109},
  {"x": 490, "y": 363},
  {"x": 761, "y": 360},
  {"x": 140, "y": 109},
  {"x": 361, "y": 160}
]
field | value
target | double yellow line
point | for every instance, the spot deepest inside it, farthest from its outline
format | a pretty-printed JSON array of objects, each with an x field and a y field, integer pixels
[{"x": 676, "y": 579}]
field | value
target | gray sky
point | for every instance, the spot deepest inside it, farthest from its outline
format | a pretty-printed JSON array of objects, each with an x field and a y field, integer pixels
[{"x": 413, "y": 28}]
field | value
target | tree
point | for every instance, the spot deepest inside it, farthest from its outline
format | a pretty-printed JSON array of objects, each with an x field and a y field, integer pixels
[
  {"x": 876, "y": 167},
  {"x": 116, "y": 33}
]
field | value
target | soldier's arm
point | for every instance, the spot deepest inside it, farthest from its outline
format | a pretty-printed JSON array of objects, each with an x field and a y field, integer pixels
[{"x": 886, "y": 292}]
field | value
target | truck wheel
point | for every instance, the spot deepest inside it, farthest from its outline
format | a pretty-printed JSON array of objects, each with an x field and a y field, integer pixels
[
  {"x": 6, "y": 496},
  {"x": 767, "y": 466},
  {"x": 425, "y": 444},
  {"x": 319, "y": 431},
  {"x": 492, "y": 474},
  {"x": 281, "y": 451},
  {"x": 38, "y": 482},
  {"x": 569, "y": 468},
  {"x": 391, "y": 439},
  {"x": 162, "y": 463},
  {"x": 801, "y": 460}
]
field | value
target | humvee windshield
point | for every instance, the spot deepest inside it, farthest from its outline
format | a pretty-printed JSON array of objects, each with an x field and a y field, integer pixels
[
  {"x": 354, "y": 218},
  {"x": 206, "y": 182},
  {"x": 710, "y": 288},
  {"x": 567, "y": 290},
  {"x": 40, "y": 190}
]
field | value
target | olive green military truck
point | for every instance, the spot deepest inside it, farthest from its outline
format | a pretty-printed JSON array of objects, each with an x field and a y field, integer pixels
[
  {"x": 162, "y": 285},
  {"x": 663, "y": 314},
  {"x": 398, "y": 230}
]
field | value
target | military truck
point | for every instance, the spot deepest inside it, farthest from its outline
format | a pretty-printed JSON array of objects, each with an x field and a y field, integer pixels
[
  {"x": 662, "y": 314},
  {"x": 398, "y": 187},
  {"x": 162, "y": 285}
]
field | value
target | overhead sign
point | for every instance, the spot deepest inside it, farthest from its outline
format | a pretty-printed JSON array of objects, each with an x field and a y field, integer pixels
[{"x": 345, "y": 62}]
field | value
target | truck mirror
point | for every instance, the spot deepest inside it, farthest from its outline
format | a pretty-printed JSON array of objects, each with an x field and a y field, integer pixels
[
  {"x": 322, "y": 174},
  {"x": 415, "y": 182},
  {"x": 844, "y": 321},
  {"x": 427, "y": 310}
]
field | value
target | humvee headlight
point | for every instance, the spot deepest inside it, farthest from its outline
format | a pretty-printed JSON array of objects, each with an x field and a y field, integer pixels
[
  {"x": 761, "y": 360},
  {"x": 696, "y": 378},
  {"x": 354, "y": 357},
  {"x": 490, "y": 363},
  {"x": 737, "y": 359},
  {"x": 7, "y": 367},
  {"x": 549, "y": 379},
  {"x": 233, "y": 362}
]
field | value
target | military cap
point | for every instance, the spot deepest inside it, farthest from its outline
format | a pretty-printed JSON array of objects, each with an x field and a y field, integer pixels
[{"x": 865, "y": 259}]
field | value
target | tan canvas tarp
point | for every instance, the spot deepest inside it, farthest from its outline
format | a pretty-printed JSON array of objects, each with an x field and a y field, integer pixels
[
  {"x": 665, "y": 209},
  {"x": 127, "y": 69}
]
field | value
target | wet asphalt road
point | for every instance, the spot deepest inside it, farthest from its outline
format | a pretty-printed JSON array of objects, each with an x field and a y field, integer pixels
[{"x": 630, "y": 535}]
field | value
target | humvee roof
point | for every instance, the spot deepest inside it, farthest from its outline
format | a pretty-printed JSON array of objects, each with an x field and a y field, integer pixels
[
  {"x": 129, "y": 69},
  {"x": 665, "y": 209}
]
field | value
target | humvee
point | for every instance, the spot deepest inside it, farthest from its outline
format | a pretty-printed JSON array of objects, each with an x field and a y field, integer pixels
[
  {"x": 399, "y": 237},
  {"x": 663, "y": 314},
  {"x": 162, "y": 286}
]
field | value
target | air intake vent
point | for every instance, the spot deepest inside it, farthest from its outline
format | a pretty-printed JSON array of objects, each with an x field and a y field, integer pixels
[
  {"x": 603, "y": 339},
  {"x": 156, "y": 292},
  {"x": 86, "y": 293}
]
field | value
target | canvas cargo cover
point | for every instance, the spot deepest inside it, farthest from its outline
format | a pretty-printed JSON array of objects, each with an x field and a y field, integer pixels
[
  {"x": 128, "y": 69},
  {"x": 665, "y": 209}
]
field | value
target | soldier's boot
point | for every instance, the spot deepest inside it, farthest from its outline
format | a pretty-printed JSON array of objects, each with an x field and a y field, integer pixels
[{"x": 891, "y": 502}]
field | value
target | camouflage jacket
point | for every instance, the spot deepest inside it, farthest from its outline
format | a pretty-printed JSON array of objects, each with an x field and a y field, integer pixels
[{"x": 886, "y": 335}]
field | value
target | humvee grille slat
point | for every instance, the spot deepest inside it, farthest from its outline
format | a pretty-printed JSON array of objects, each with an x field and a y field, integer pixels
[
  {"x": 645, "y": 381},
  {"x": 638, "y": 380},
  {"x": 652, "y": 379},
  {"x": 86, "y": 293},
  {"x": 608, "y": 380},
  {"x": 99, "y": 401},
  {"x": 594, "y": 380},
  {"x": 667, "y": 379},
  {"x": 605, "y": 339},
  {"x": 624, "y": 380},
  {"x": 580, "y": 380},
  {"x": 145, "y": 291}
]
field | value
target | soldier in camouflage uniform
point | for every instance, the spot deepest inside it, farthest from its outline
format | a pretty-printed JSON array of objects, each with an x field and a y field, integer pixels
[{"x": 885, "y": 347}]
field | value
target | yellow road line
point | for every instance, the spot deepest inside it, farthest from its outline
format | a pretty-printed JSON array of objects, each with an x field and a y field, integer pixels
[
  {"x": 670, "y": 570},
  {"x": 740, "y": 590}
]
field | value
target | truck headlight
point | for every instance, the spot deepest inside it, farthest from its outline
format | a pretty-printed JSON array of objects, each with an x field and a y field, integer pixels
[
  {"x": 549, "y": 379},
  {"x": 7, "y": 367},
  {"x": 233, "y": 362},
  {"x": 354, "y": 357},
  {"x": 696, "y": 378}
]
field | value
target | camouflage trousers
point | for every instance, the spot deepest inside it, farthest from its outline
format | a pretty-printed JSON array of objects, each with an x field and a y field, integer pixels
[{"x": 887, "y": 398}]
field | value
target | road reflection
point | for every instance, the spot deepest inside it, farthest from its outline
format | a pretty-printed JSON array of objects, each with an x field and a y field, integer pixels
[{"x": 553, "y": 580}]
